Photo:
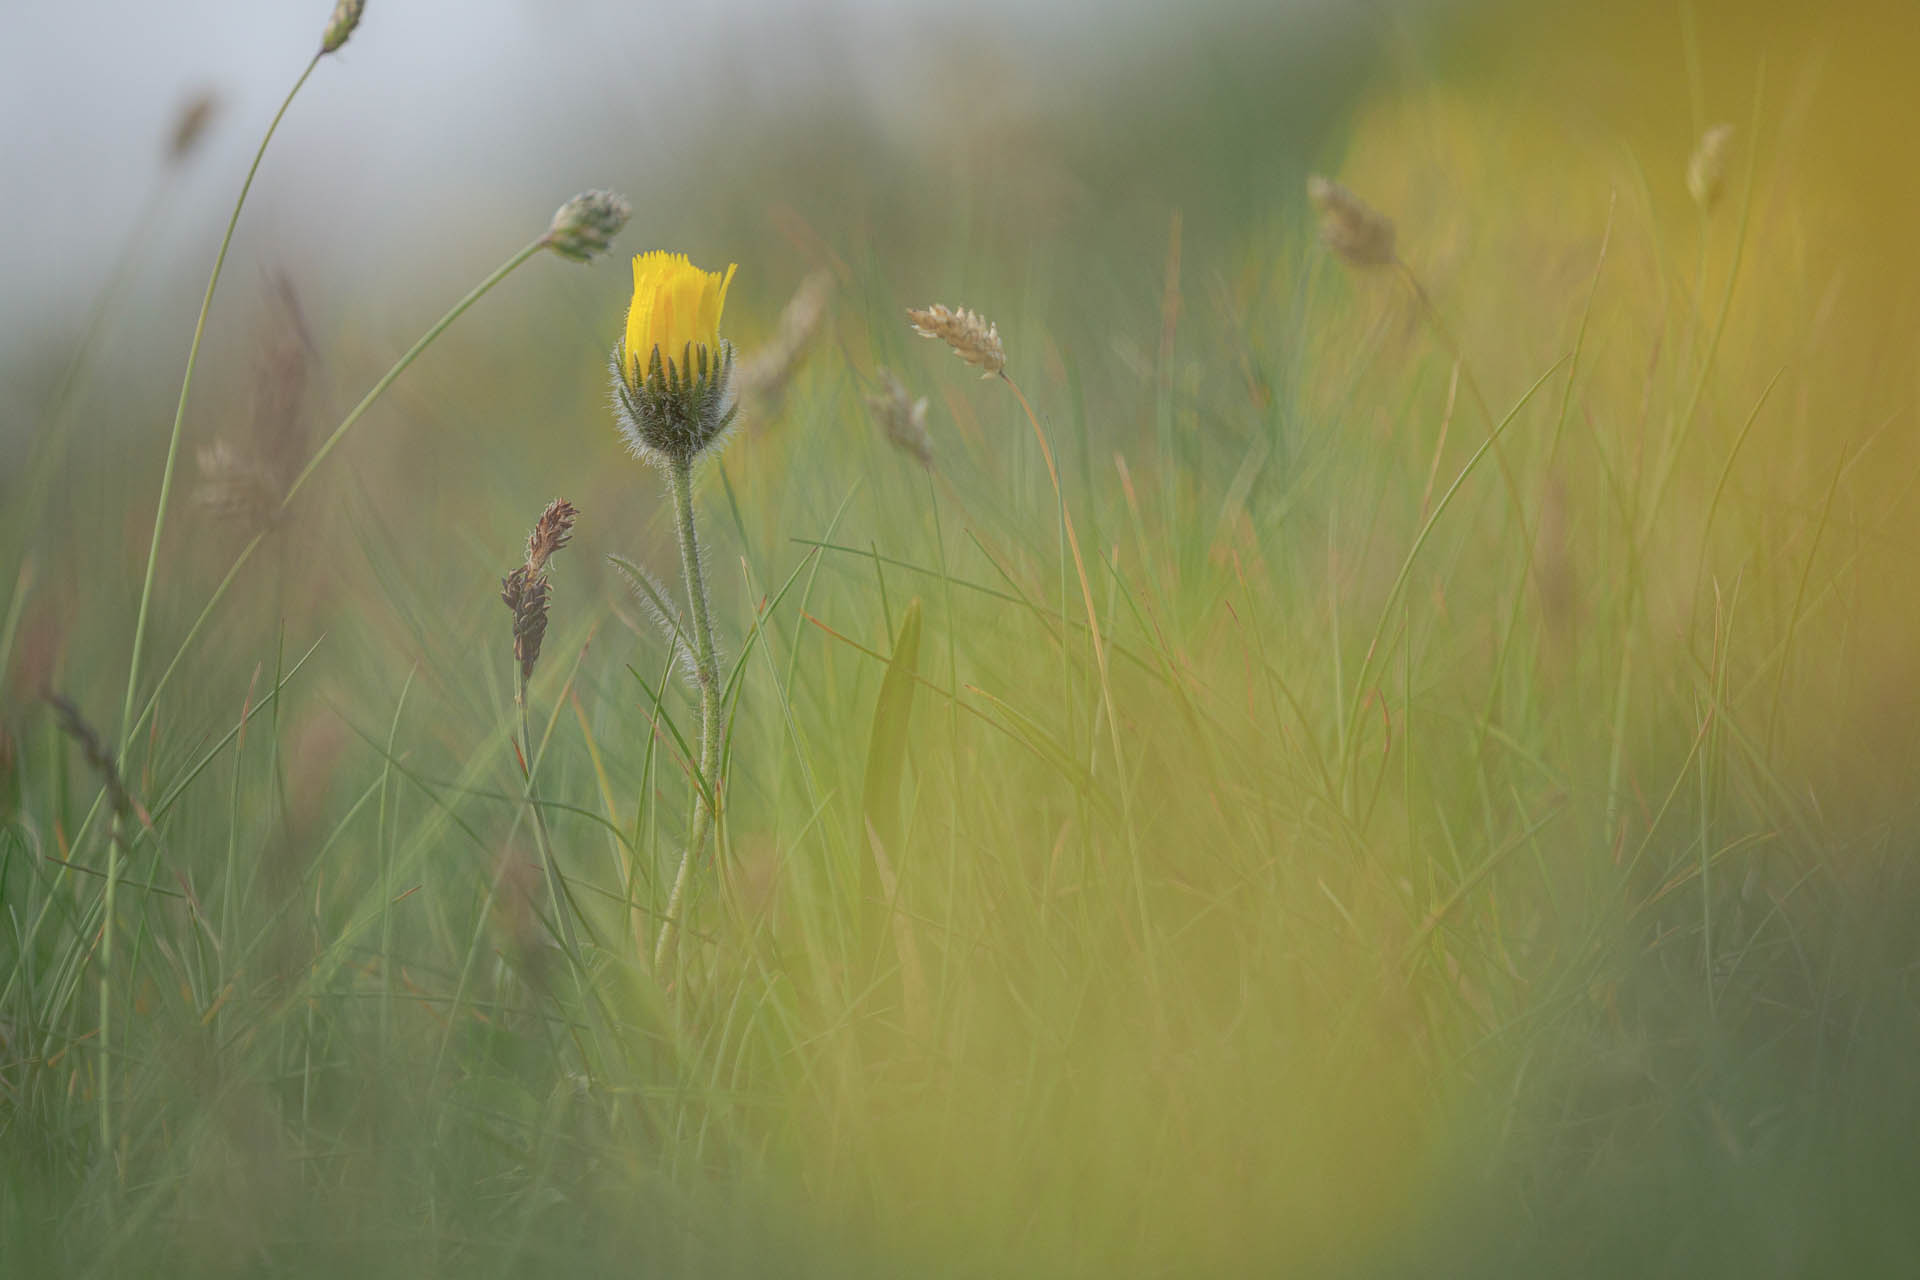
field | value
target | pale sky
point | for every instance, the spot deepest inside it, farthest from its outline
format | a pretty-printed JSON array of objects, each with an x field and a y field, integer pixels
[{"x": 451, "y": 116}]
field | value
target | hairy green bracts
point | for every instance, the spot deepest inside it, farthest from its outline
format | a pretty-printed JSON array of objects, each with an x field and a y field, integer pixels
[{"x": 677, "y": 409}]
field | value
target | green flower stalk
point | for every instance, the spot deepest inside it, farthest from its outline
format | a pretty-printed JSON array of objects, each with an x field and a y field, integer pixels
[{"x": 674, "y": 401}]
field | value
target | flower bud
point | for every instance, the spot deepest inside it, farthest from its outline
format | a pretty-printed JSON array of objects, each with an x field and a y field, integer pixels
[
  {"x": 346, "y": 16},
  {"x": 673, "y": 372},
  {"x": 586, "y": 225}
]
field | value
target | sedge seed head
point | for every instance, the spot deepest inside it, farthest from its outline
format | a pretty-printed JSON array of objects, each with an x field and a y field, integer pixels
[
  {"x": 972, "y": 337},
  {"x": 1359, "y": 234},
  {"x": 552, "y": 531},
  {"x": 526, "y": 591}
]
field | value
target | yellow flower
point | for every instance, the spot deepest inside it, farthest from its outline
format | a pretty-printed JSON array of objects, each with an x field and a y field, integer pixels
[
  {"x": 672, "y": 371},
  {"x": 675, "y": 306}
]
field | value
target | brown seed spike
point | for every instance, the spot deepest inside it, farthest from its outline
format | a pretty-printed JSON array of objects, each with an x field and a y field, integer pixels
[
  {"x": 526, "y": 591},
  {"x": 550, "y": 533},
  {"x": 191, "y": 123},
  {"x": 972, "y": 337}
]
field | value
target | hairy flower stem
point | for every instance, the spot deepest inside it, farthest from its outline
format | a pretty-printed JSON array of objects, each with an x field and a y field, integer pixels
[
  {"x": 146, "y": 599},
  {"x": 705, "y": 673}
]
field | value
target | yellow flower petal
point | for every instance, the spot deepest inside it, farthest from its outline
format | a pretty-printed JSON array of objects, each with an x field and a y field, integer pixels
[{"x": 675, "y": 306}]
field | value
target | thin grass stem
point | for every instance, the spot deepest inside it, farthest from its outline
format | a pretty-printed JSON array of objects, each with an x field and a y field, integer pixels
[{"x": 146, "y": 600}]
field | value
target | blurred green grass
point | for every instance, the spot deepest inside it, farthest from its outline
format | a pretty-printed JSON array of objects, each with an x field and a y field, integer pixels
[{"x": 1480, "y": 885}]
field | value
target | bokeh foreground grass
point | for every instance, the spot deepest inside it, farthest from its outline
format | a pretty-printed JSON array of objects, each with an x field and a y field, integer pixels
[{"x": 1429, "y": 857}]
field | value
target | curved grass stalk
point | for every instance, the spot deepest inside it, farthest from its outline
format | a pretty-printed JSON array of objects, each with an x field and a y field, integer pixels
[
  {"x": 387, "y": 379},
  {"x": 146, "y": 600},
  {"x": 133, "y": 724}
]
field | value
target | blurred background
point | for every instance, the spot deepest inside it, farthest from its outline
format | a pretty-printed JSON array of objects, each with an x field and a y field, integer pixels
[
  {"x": 1501, "y": 862},
  {"x": 791, "y": 135}
]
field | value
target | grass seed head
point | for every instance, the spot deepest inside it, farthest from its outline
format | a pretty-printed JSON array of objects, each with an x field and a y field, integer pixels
[
  {"x": 190, "y": 125},
  {"x": 764, "y": 373},
  {"x": 1358, "y": 233},
  {"x": 972, "y": 337},
  {"x": 244, "y": 478},
  {"x": 346, "y": 16},
  {"x": 98, "y": 755},
  {"x": 1707, "y": 167},
  {"x": 902, "y": 418},
  {"x": 585, "y": 225},
  {"x": 236, "y": 487}
]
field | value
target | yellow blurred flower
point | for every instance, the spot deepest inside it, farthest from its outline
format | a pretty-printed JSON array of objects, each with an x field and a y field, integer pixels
[{"x": 676, "y": 307}]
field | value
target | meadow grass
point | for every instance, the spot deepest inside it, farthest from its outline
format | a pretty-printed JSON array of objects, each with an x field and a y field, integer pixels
[{"x": 1315, "y": 776}]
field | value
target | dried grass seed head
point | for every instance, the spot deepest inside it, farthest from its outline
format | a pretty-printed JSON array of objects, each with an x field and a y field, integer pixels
[
  {"x": 244, "y": 478},
  {"x": 236, "y": 487},
  {"x": 902, "y": 418},
  {"x": 93, "y": 747},
  {"x": 764, "y": 373},
  {"x": 1359, "y": 234},
  {"x": 190, "y": 125},
  {"x": 1707, "y": 167},
  {"x": 972, "y": 337}
]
